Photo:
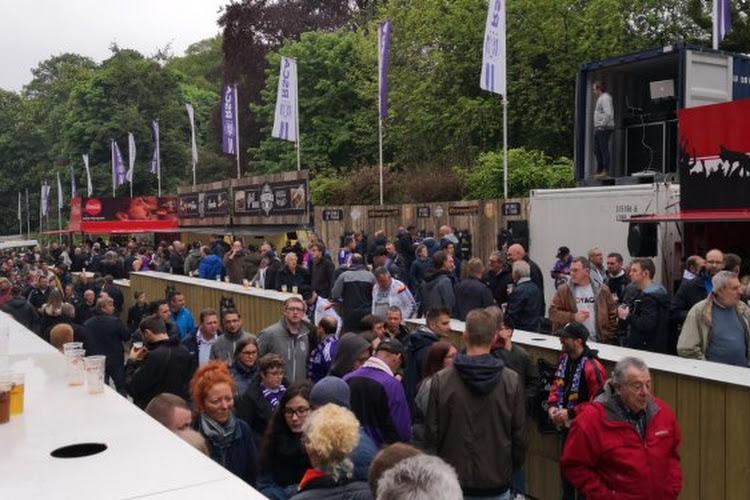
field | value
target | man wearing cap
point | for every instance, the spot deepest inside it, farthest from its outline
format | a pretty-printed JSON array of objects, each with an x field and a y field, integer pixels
[
  {"x": 561, "y": 270},
  {"x": 378, "y": 398},
  {"x": 333, "y": 390},
  {"x": 579, "y": 378}
]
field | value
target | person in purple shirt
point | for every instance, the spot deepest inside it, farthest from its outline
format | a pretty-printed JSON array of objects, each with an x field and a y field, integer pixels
[{"x": 377, "y": 396}]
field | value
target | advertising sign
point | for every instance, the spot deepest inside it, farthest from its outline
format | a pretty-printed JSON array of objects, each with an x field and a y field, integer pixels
[{"x": 272, "y": 198}]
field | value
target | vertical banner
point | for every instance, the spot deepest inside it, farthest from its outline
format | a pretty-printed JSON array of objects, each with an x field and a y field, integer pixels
[
  {"x": 285, "y": 118},
  {"x": 229, "y": 120},
  {"x": 20, "y": 215},
  {"x": 72, "y": 182},
  {"x": 384, "y": 41},
  {"x": 89, "y": 186},
  {"x": 493, "y": 55},
  {"x": 191, "y": 117},
  {"x": 118, "y": 165},
  {"x": 155, "y": 164},
  {"x": 59, "y": 191},
  {"x": 722, "y": 18},
  {"x": 44, "y": 210},
  {"x": 131, "y": 158}
]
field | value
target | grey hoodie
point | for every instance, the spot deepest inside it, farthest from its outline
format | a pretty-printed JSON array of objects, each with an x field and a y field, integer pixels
[{"x": 293, "y": 349}]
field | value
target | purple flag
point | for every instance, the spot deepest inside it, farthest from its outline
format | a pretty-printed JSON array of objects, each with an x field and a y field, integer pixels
[
  {"x": 384, "y": 41},
  {"x": 118, "y": 166},
  {"x": 155, "y": 165},
  {"x": 229, "y": 119},
  {"x": 722, "y": 18}
]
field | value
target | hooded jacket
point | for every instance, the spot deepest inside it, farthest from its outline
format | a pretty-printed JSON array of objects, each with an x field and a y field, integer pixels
[
  {"x": 605, "y": 457},
  {"x": 354, "y": 288},
  {"x": 23, "y": 312},
  {"x": 437, "y": 291},
  {"x": 649, "y": 320},
  {"x": 210, "y": 267},
  {"x": 349, "y": 347},
  {"x": 292, "y": 348},
  {"x": 476, "y": 421}
]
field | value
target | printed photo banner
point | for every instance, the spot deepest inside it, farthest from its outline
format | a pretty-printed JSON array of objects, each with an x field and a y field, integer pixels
[
  {"x": 272, "y": 198},
  {"x": 213, "y": 203}
]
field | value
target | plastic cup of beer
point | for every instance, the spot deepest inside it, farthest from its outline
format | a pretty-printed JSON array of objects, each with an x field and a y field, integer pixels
[
  {"x": 94, "y": 373},
  {"x": 75, "y": 366},
  {"x": 226, "y": 279},
  {"x": 5, "y": 388},
  {"x": 295, "y": 289},
  {"x": 283, "y": 288},
  {"x": 246, "y": 283},
  {"x": 16, "y": 393},
  {"x": 4, "y": 339}
]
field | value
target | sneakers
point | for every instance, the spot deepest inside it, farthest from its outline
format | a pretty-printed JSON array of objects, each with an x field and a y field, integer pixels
[{"x": 601, "y": 175}]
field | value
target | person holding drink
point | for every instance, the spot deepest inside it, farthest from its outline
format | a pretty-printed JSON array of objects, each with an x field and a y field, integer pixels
[{"x": 585, "y": 301}]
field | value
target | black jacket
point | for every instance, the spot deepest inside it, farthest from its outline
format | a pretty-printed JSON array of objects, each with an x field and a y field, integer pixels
[
  {"x": 690, "y": 293},
  {"x": 104, "y": 336},
  {"x": 165, "y": 369},
  {"x": 523, "y": 306},
  {"x": 472, "y": 293},
  {"x": 38, "y": 297},
  {"x": 649, "y": 320},
  {"x": 272, "y": 272},
  {"x": 538, "y": 279},
  {"x": 437, "y": 291},
  {"x": 498, "y": 283},
  {"x": 23, "y": 312},
  {"x": 325, "y": 488},
  {"x": 299, "y": 279},
  {"x": 518, "y": 360},
  {"x": 321, "y": 277},
  {"x": 254, "y": 409}
]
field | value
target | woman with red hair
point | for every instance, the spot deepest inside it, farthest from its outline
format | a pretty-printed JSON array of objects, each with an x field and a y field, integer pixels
[{"x": 229, "y": 439}]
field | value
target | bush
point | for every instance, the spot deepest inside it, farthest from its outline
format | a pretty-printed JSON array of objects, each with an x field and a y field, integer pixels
[
  {"x": 527, "y": 170},
  {"x": 327, "y": 189}
]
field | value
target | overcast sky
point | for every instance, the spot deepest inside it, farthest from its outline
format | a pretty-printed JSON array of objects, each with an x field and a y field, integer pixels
[{"x": 32, "y": 31}]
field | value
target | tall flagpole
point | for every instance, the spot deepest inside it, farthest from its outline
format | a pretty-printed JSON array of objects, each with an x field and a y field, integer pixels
[
  {"x": 158, "y": 161},
  {"x": 112, "y": 149},
  {"x": 380, "y": 154},
  {"x": 28, "y": 216},
  {"x": 237, "y": 131},
  {"x": 505, "y": 147},
  {"x": 296, "y": 122}
]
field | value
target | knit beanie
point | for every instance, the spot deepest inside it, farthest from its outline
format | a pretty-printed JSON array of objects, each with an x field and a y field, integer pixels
[{"x": 330, "y": 390}]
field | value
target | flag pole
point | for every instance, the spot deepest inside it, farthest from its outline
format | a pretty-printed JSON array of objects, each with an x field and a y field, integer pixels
[
  {"x": 505, "y": 148},
  {"x": 28, "y": 216},
  {"x": 59, "y": 223},
  {"x": 112, "y": 154},
  {"x": 237, "y": 132},
  {"x": 296, "y": 123},
  {"x": 380, "y": 153}
]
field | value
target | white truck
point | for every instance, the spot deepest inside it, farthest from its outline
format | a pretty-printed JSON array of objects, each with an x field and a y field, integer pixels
[{"x": 583, "y": 218}]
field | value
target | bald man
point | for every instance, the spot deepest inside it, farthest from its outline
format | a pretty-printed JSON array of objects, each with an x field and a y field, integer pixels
[{"x": 516, "y": 252}]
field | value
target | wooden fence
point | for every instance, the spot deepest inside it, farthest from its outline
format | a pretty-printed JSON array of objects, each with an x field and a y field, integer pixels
[{"x": 483, "y": 219}]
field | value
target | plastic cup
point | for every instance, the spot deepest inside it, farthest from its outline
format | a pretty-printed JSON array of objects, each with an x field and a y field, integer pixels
[
  {"x": 246, "y": 284},
  {"x": 17, "y": 393},
  {"x": 218, "y": 277},
  {"x": 283, "y": 288},
  {"x": 94, "y": 373},
  {"x": 295, "y": 289},
  {"x": 72, "y": 345},
  {"x": 4, "y": 339},
  {"x": 75, "y": 371},
  {"x": 5, "y": 387}
]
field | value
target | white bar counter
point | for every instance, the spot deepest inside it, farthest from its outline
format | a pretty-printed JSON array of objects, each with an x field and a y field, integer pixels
[{"x": 142, "y": 459}]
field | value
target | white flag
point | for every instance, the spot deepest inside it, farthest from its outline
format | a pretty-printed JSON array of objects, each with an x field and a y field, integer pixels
[
  {"x": 72, "y": 183},
  {"x": 493, "y": 55},
  {"x": 131, "y": 158},
  {"x": 191, "y": 116},
  {"x": 45, "y": 198},
  {"x": 59, "y": 192},
  {"x": 19, "y": 207},
  {"x": 89, "y": 187},
  {"x": 285, "y": 118}
]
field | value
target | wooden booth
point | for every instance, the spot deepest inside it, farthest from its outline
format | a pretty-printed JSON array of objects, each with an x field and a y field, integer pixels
[{"x": 484, "y": 221}]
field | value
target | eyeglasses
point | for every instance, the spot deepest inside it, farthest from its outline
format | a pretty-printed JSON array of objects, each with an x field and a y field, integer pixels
[
  {"x": 294, "y": 309},
  {"x": 274, "y": 373},
  {"x": 300, "y": 412},
  {"x": 254, "y": 352}
]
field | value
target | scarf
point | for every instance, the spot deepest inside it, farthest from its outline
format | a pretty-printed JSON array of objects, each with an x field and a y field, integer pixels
[
  {"x": 220, "y": 435},
  {"x": 575, "y": 385},
  {"x": 273, "y": 396}
]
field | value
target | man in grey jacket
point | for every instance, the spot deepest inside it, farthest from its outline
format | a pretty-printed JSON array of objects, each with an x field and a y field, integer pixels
[
  {"x": 437, "y": 289},
  {"x": 290, "y": 339},
  {"x": 223, "y": 348}
]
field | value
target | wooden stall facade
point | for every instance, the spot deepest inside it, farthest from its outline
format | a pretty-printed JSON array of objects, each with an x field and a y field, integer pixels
[
  {"x": 204, "y": 204},
  {"x": 483, "y": 219}
]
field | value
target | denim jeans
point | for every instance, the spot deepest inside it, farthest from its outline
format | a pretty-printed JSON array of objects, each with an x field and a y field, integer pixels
[{"x": 601, "y": 148}]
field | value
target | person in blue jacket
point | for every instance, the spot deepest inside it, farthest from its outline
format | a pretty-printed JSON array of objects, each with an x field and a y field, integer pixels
[{"x": 210, "y": 266}]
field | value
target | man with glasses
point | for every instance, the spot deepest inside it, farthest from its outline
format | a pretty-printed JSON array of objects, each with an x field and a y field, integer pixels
[
  {"x": 200, "y": 343},
  {"x": 377, "y": 397},
  {"x": 224, "y": 348},
  {"x": 626, "y": 428},
  {"x": 290, "y": 339},
  {"x": 690, "y": 293}
]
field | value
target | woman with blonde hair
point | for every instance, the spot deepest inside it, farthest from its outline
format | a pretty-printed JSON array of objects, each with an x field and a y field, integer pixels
[
  {"x": 330, "y": 434},
  {"x": 54, "y": 312}
]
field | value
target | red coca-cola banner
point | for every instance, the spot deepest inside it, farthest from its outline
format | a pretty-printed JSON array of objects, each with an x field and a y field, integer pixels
[{"x": 122, "y": 215}]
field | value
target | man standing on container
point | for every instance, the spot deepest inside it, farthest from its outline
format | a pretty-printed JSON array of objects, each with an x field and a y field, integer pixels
[
  {"x": 625, "y": 443},
  {"x": 604, "y": 125}
]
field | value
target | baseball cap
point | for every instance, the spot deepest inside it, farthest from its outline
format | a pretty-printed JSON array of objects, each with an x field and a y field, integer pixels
[
  {"x": 562, "y": 252},
  {"x": 574, "y": 330},
  {"x": 391, "y": 345}
]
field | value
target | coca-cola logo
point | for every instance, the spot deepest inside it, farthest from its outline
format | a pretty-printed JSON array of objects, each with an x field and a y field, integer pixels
[{"x": 93, "y": 206}]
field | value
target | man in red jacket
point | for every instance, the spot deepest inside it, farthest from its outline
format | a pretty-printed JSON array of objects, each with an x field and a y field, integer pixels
[{"x": 625, "y": 443}]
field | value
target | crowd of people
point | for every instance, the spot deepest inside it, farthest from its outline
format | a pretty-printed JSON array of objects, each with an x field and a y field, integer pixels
[{"x": 322, "y": 403}]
